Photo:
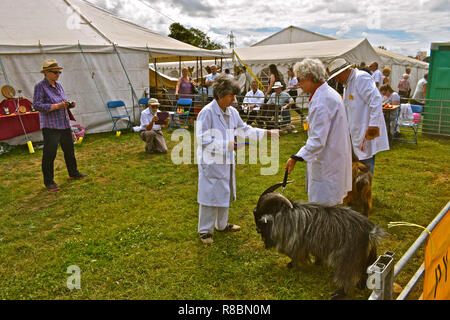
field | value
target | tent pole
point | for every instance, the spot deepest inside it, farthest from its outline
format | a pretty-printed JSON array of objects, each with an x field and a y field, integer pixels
[
  {"x": 158, "y": 75},
  {"x": 201, "y": 79}
]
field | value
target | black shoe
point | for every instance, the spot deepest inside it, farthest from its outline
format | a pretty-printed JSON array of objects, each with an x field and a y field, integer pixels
[
  {"x": 78, "y": 176},
  {"x": 52, "y": 187}
]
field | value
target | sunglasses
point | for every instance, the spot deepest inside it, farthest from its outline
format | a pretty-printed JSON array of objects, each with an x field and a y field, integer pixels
[{"x": 56, "y": 72}]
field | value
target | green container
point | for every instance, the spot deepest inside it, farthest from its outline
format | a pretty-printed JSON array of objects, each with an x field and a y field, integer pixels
[{"x": 437, "y": 113}]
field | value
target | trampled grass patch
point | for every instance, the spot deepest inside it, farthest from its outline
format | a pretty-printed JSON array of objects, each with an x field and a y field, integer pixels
[{"x": 131, "y": 226}]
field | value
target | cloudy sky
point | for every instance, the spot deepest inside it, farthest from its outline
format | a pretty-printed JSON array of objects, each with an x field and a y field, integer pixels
[{"x": 404, "y": 27}]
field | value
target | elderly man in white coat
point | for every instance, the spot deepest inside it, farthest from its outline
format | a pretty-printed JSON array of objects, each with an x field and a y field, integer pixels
[
  {"x": 327, "y": 150},
  {"x": 363, "y": 103},
  {"x": 216, "y": 128}
]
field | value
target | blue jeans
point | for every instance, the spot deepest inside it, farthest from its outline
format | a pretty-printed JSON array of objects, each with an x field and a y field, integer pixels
[{"x": 370, "y": 163}]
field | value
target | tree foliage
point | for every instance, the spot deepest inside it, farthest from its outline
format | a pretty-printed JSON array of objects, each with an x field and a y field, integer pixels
[{"x": 192, "y": 36}]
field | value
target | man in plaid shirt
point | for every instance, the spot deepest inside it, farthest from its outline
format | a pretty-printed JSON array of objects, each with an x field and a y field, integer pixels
[{"x": 51, "y": 102}]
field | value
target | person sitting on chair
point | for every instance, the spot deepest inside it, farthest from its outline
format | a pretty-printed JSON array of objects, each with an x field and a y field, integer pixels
[
  {"x": 150, "y": 132},
  {"x": 283, "y": 100},
  {"x": 252, "y": 102}
]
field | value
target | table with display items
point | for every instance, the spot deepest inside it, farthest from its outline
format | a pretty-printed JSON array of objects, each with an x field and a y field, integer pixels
[{"x": 14, "y": 110}]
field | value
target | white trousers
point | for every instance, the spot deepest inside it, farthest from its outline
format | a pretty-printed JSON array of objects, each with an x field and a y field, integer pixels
[{"x": 210, "y": 217}]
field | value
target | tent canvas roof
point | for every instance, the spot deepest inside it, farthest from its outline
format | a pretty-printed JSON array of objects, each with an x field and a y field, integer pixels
[
  {"x": 62, "y": 24},
  {"x": 351, "y": 49},
  {"x": 293, "y": 34}
]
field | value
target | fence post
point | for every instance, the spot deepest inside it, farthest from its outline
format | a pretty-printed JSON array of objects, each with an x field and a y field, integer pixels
[{"x": 381, "y": 277}]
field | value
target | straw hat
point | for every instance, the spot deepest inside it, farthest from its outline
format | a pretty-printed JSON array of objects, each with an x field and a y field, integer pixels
[
  {"x": 50, "y": 64},
  {"x": 277, "y": 85},
  {"x": 337, "y": 66},
  {"x": 153, "y": 102}
]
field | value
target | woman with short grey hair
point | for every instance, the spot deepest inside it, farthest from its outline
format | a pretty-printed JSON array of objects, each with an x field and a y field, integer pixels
[
  {"x": 216, "y": 127},
  {"x": 224, "y": 85},
  {"x": 314, "y": 67},
  {"x": 327, "y": 151}
]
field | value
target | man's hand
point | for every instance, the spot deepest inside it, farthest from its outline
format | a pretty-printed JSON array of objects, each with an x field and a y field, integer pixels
[
  {"x": 290, "y": 164},
  {"x": 372, "y": 133}
]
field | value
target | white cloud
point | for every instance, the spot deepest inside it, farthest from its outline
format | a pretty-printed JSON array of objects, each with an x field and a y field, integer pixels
[{"x": 417, "y": 23}]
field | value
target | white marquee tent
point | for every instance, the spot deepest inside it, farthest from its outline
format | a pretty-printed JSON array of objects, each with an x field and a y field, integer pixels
[
  {"x": 104, "y": 57},
  {"x": 286, "y": 55},
  {"x": 395, "y": 61}
]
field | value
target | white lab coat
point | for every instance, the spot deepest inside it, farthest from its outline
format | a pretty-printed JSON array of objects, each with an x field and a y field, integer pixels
[
  {"x": 363, "y": 103},
  {"x": 214, "y": 132},
  {"x": 328, "y": 149}
]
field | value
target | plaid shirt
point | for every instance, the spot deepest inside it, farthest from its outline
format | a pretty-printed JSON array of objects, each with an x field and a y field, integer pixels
[{"x": 44, "y": 96}]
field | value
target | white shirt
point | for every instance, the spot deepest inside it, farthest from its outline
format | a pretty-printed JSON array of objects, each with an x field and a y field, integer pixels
[
  {"x": 211, "y": 77},
  {"x": 328, "y": 149},
  {"x": 146, "y": 118},
  {"x": 418, "y": 93},
  {"x": 254, "y": 98},
  {"x": 378, "y": 77},
  {"x": 363, "y": 103},
  {"x": 292, "y": 82}
]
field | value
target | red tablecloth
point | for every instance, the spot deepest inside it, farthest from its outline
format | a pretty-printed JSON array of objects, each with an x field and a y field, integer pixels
[{"x": 10, "y": 126}]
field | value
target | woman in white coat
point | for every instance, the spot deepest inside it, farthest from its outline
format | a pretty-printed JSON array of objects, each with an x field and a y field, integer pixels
[
  {"x": 328, "y": 149},
  {"x": 216, "y": 128}
]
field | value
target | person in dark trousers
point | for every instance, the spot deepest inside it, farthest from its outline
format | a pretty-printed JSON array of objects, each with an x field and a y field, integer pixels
[{"x": 54, "y": 117}]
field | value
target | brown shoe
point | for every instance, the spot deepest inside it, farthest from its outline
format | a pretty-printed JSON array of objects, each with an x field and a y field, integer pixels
[
  {"x": 231, "y": 227},
  {"x": 206, "y": 238}
]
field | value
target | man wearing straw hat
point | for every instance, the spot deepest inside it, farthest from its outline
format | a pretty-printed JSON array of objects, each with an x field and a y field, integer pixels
[
  {"x": 150, "y": 131},
  {"x": 54, "y": 117},
  {"x": 363, "y": 103}
]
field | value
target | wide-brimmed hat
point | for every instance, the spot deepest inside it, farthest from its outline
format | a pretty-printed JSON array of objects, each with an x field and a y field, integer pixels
[
  {"x": 153, "y": 102},
  {"x": 337, "y": 66},
  {"x": 277, "y": 85},
  {"x": 50, "y": 64}
]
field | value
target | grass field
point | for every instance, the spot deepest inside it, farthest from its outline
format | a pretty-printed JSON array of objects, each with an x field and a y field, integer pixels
[{"x": 131, "y": 226}]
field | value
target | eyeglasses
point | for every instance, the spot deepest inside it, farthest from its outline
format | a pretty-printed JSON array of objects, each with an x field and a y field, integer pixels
[{"x": 56, "y": 72}]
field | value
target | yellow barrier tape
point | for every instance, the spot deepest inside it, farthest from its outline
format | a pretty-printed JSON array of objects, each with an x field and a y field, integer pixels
[{"x": 250, "y": 71}]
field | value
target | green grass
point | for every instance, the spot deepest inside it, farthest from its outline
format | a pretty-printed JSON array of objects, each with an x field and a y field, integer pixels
[{"x": 131, "y": 226}]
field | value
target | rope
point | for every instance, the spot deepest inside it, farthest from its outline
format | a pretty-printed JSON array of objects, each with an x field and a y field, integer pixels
[
  {"x": 4, "y": 71},
  {"x": 408, "y": 224},
  {"x": 134, "y": 96},
  {"x": 91, "y": 72}
]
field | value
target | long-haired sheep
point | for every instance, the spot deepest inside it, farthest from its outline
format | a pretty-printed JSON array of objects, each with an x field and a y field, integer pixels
[{"x": 338, "y": 236}]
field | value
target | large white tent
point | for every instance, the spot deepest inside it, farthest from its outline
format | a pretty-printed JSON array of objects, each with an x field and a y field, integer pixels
[
  {"x": 293, "y": 34},
  {"x": 285, "y": 55},
  {"x": 398, "y": 64},
  {"x": 395, "y": 61},
  {"x": 104, "y": 57}
]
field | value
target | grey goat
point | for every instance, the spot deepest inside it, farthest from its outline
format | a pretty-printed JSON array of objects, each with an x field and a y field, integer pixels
[{"x": 338, "y": 236}]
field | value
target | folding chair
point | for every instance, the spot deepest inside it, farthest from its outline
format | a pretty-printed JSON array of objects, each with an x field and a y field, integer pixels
[
  {"x": 413, "y": 124},
  {"x": 143, "y": 102},
  {"x": 115, "y": 105},
  {"x": 181, "y": 115}
]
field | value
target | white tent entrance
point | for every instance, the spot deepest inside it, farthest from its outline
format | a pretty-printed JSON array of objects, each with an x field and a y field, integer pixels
[{"x": 104, "y": 57}]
